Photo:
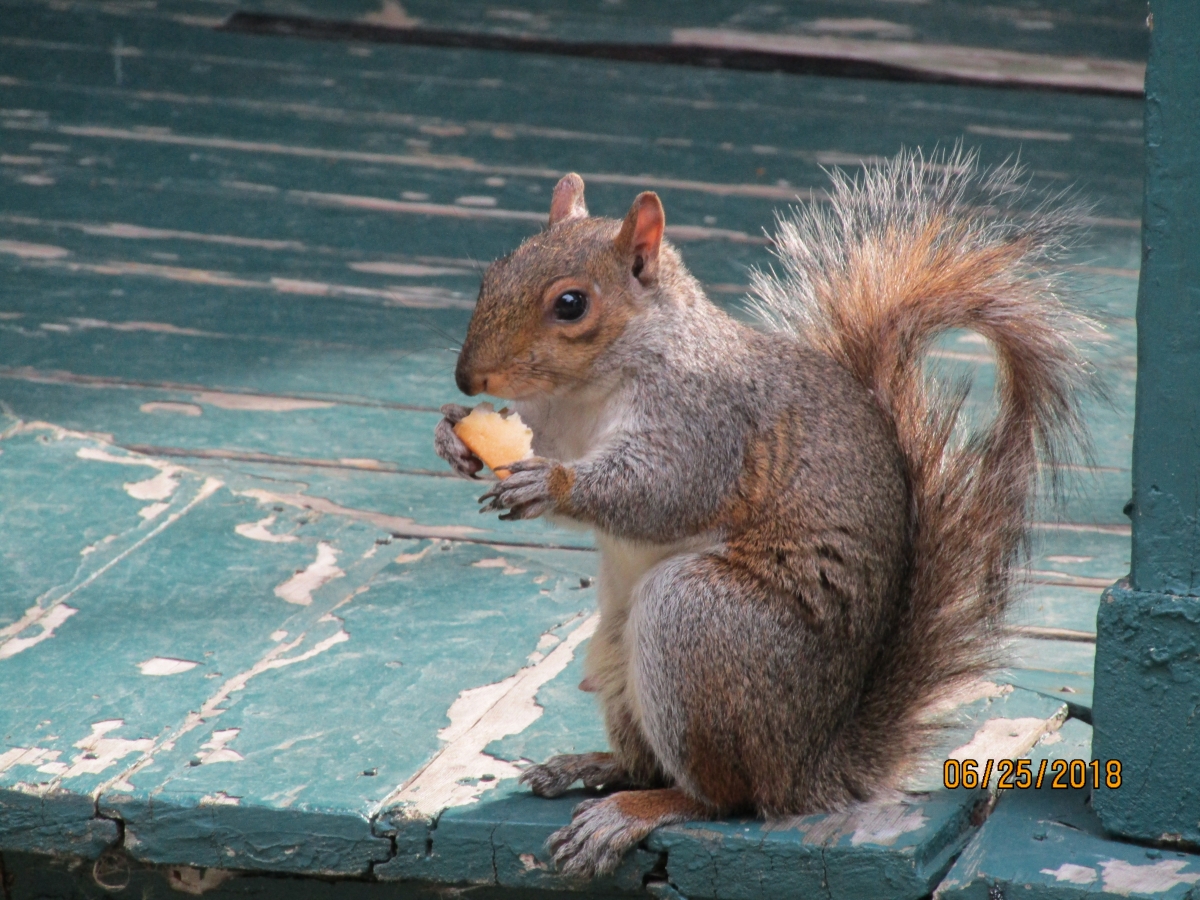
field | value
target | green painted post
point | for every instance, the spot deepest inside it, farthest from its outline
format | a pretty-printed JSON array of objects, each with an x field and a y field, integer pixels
[{"x": 1147, "y": 687}]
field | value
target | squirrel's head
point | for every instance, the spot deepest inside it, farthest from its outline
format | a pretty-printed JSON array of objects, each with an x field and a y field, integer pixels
[{"x": 552, "y": 306}]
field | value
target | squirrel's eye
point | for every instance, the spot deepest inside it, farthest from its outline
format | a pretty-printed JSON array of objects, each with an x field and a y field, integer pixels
[{"x": 570, "y": 306}]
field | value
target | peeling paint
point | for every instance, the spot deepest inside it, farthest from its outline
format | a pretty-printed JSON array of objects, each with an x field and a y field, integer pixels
[
  {"x": 47, "y": 621},
  {"x": 299, "y": 588},
  {"x": 218, "y": 752},
  {"x": 258, "y": 531},
  {"x": 92, "y": 548},
  {"x": 477, "y": 717},
  {"x": 153, "y": 510},
  {"x": 152, "y": 327},
  {"x": 220, "y": 798},
  {"x": 38, "y": 613},
  {"x": 1124, "y": 878},
  {"x": 159, "y": 487},
  {"x": 408, "y": 558},
  {"x": 401, "y": 526},
  {"x": 258, "y": 403},
  {"x": 26, "y": 756},
  {"x": 407, "y": 270},
  {"x": 101, "y": 752},
  {"x": 169, "y": 406},
  {"x": 165, "y": 665},
  {"x": 33, "y": 251},
  {"x": 880, "y": 822},
  {"x": 1072, "y": 873},
  {"x": 213, "y": 706},
  {"x": 498, "y": 562},
  {"x": 1001, "y": 738}
]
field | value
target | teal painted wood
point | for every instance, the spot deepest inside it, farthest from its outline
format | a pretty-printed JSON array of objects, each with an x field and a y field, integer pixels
[
  {"x": 1146, "y": 693},
  {"x": 1166, "y": 518},
  {"x": 1049, "y": 844},
  {"x": 34, "y": 877},
  {"x": 219, "y": 225},
  {"x": 1113, "y": 29},
  {"x": 1146, "y": 625}
]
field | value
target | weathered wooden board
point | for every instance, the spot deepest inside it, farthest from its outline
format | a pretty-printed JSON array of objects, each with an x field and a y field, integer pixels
[
  {"x": 1048, "y": 843},
  {"x": 235, "y": 271},
  {"x": 1115, "y": 28},
  {"x": 950, "y": 42}
]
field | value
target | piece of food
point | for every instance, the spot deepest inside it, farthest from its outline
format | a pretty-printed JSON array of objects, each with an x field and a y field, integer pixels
[{"x": 495, "y": 438}]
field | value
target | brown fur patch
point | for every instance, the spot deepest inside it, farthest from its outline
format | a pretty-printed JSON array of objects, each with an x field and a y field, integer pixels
[
  {"x": 513, "y": 341},
  {"x": 654, "y": 806},
  {"x": 561, "y": 479}
]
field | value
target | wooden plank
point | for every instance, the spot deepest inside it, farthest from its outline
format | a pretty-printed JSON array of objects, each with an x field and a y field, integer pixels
[
  {"x": 1048, "y": 843},
  {"x": 285, "y": 236},
  {"x": 1111, "y": 29},
  {"x": 307, "y": 608},
  {"x": 1143, "y": 676},
  {"x": 881, "y": 41}
]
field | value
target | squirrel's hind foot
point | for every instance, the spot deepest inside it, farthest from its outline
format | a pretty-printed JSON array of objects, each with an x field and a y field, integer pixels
[
  {"x": 603, "y": 830},
  {"x": 555, "y": 776}
]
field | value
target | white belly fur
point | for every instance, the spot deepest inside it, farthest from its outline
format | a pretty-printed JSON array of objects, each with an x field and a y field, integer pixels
[{"x": 623, "y": 565}]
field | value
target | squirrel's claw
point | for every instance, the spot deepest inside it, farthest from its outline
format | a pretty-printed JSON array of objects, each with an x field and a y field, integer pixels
[
  {"x": 525, "y": 493},
  {"x": 556, "y": 775}
]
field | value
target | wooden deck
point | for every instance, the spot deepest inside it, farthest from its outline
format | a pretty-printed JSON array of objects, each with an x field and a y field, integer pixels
[{"x": 247, "y": 621}]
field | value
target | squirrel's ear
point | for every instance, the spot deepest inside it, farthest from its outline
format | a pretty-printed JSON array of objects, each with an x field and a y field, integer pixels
[
  {"x": 567, "y": 202},
  {"x": 641, "y": 235}
]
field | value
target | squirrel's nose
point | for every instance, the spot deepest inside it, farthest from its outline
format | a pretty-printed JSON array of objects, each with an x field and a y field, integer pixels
[{"x": 468, "y": 382}]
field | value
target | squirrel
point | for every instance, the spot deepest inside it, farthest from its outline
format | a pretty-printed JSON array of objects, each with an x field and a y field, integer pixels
[{"x": 800, "y": 552}]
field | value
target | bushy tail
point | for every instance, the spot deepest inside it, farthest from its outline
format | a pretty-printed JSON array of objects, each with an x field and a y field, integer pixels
[{"x": 908, "y": 250}]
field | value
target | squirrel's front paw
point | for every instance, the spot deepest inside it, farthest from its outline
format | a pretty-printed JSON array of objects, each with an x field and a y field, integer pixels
[
  {"x": 533, "y": 487},
  {"x": 450, "y": 447}
]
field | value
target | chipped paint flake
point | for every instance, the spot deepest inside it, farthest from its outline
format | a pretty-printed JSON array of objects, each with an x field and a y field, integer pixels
[
  {"x": 218, "y": 752},
  {"x": 48, "y": 623},
  {"x": 406, "y": 558},
  {"x": 33, "y": 251},
  {"x": 220, "y": 798},
  {"x": 1072, "y": 873},
  {"x": 884, "y": 824},
  {"x": 257, "y": 403},
  {"x": 26, "y": 756},
  {"x": 163, "y": 665},
  {"x": 171, "y": 407},
  {"x": 400, "y": 526},
  {"x": 880, "y": 822},
  {"x": 477, "y": 717},
  {"x": 160, "y": 487},
  {"x": 213, "y": 706},
  {"x": 299, "y": 588},
  {"x": 258, "y": 531},
  {"x": 1125, "y": 878},
  {"x": 1007, "y": 738},
  {"x": 498, "y": 562},
  {"x": 153, "y": 510},
  {"x": 100, "y": 752},
  {"x": 37, "y": 614}
]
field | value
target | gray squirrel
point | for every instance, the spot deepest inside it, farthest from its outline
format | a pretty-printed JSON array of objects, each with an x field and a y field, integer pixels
[{"x": 799, "y": 553}]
